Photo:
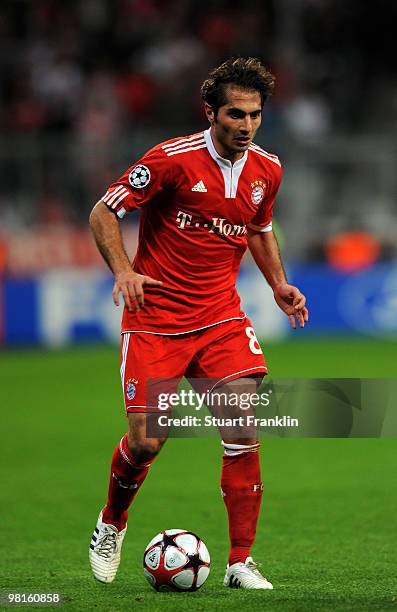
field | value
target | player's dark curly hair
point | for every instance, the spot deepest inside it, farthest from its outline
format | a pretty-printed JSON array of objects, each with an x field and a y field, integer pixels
[{"x": 247, "y": 73}]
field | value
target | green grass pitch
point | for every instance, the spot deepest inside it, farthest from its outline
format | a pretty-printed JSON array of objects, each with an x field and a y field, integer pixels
[{"x": 327, "y": 530}]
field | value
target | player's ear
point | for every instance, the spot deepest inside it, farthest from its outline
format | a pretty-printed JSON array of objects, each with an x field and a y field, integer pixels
[{"x": 209, "y": 113}]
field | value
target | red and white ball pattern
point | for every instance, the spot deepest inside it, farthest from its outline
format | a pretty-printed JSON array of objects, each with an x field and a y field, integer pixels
[{"x": 176, "y": 560}]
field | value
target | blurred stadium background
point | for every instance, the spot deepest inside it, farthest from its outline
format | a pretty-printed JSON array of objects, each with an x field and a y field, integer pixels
[{"x": 85, "y": 88}]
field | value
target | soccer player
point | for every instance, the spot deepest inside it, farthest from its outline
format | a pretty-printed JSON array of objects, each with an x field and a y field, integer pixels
[{"x": 203, "y": 198}]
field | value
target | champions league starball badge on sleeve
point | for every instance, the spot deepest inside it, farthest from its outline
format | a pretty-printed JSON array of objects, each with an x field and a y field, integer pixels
[{"x": 139, "y": 176}]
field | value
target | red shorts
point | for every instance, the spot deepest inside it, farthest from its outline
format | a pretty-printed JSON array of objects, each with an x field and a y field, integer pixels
[{"x": 223, "y": 352}]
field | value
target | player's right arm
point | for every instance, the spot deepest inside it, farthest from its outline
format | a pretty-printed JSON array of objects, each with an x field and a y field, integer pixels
[
  {"x": 106, "y": 229},
  {"x": 136, "y": 188}
]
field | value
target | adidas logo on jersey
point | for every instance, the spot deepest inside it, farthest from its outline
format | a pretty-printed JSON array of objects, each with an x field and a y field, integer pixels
[{"x": 199, "y": 187}]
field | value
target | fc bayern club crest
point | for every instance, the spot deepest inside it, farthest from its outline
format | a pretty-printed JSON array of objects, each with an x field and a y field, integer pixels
[
  {"x": 258, "y": 192},
  {"x": 130, "y": 388}
]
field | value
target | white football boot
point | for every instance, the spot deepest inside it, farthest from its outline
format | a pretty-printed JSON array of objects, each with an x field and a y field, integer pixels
[
  {"x": 245, "y": 576},
  {"x": 105, "y": 550}
]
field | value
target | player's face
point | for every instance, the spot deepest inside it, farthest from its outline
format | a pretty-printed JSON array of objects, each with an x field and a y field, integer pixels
[{"x": 237, "y": 122}]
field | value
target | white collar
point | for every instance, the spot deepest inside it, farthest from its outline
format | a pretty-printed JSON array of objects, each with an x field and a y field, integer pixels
[{"x": 221, "y": 161}]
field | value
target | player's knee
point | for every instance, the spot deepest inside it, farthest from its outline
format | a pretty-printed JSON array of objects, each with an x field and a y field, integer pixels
[{"x": 144, "y": 449}]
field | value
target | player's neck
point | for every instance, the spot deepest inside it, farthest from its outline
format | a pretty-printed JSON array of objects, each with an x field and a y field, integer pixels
[{"x": 231, "y": 156}]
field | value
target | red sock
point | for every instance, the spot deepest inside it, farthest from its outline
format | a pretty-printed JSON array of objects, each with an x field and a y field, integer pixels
[
  {"x": 126, "y": 478},
  {"x": 242, "y": 493}
]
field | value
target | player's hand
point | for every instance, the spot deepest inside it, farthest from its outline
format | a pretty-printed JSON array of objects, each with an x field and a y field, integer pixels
[
  {"x": 292, "y": 302},
  {"x": 130, "y": 284}
]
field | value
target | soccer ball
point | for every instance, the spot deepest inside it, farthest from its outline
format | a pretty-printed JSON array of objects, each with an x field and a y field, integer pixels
[{"x": 176, "y": 560}]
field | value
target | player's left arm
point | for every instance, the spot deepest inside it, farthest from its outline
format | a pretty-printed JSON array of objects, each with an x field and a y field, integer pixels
[{"x": 266, "y": 253}]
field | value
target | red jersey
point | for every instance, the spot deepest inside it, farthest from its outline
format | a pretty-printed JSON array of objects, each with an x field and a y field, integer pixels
[{"x": 195, "y": 209}]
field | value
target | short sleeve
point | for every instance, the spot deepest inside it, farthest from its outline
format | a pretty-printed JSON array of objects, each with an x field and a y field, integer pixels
[
  {"x": 262, "y": 220},
  {"x": 140, "y": 183}
]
